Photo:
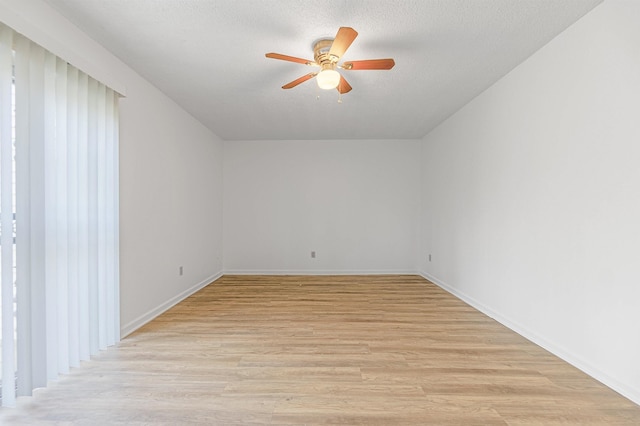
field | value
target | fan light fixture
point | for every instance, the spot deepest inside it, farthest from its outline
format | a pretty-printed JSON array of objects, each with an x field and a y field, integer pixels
[{"x": 328, "y": 79}]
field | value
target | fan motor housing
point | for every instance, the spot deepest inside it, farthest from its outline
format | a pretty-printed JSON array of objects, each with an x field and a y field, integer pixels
[{"x": 321, "y": 54}]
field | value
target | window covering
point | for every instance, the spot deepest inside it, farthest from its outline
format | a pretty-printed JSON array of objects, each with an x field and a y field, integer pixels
[{"x": 58, "y": 216}]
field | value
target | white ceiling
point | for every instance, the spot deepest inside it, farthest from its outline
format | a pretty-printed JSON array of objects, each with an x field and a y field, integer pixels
[{"x": 208, "y": 55}]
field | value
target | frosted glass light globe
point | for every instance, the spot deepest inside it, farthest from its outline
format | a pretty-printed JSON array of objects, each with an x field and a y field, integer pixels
[{"x": 328, "y": 79}]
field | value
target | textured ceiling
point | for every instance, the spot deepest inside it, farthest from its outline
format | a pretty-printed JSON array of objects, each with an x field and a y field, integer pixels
[{"x": 208, "y": 55}]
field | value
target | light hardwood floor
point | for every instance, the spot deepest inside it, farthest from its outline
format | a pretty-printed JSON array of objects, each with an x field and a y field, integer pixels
[{"x": 375, "y": 350}]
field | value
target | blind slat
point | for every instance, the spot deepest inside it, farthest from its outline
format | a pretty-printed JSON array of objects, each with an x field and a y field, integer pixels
[
  {"x": 72, "y": 215},
  {"x": 23, "y": 207},
  {"x": 6, "y": 218},
  {"x": 51, "y": 218}
]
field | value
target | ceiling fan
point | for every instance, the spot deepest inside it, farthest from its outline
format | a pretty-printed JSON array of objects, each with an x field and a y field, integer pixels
[{"x": 326, "y": 54}]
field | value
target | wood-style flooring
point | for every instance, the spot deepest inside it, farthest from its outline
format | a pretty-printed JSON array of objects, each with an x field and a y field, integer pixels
[{"x": 282, "y": 350}]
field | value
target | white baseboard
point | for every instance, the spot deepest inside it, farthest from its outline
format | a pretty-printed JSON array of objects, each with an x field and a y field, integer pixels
[
  {"x": 315, "y": 272},
  {"x": 622, "y": 388},
  {"x": 132, "y": 326}
]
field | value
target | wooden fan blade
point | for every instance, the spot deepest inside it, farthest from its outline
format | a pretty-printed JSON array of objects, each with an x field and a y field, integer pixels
[
  {"x": 369, "y": 64},
  {"x": 343, "y": 86},
  {"x": 343, "y": 40},
  {"x": 302, "y": 79},
  {"x": 289, "y": 58}
]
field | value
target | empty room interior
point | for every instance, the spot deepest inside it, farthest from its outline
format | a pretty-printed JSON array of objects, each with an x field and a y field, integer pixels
[{"x": 447, "y": 233}]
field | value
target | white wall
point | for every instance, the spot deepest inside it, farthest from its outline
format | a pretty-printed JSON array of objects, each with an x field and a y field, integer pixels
[
  {"x": 353, "y": 202},
  {"x": 170, "y": 206},
  {"x": 531, "y": 197},
  {"x": 170, "y": 174}
]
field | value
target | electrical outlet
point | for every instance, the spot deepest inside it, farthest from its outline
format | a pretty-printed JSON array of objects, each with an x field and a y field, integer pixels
[
  {"x": 313, "y": 254},
  {"x": 429, "y": 257},
  {"x": 180, "y": 270}
]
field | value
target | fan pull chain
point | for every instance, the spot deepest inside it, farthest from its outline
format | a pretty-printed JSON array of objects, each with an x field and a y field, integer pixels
[{"x": 339, "y": 97}]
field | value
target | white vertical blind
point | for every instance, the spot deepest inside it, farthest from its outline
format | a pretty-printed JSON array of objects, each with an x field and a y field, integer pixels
[{"x": 65, "y": 182}]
